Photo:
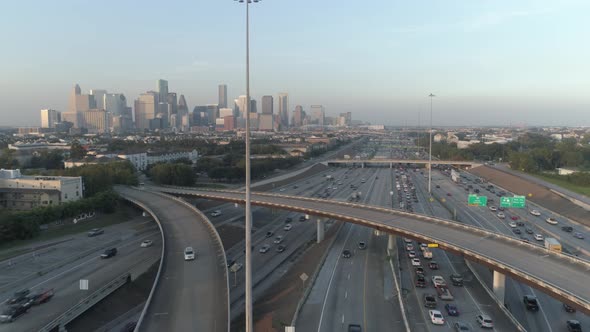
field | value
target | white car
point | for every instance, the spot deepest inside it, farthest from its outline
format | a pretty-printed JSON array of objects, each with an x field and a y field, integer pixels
[
  {"x": 501, "y": 215},
  {"x": 416, "y": 262},
  {"x": 438, "y": 281},
  {"x": 216, "y": 213},
  {"x": 147, "y": 243},
  {"x": 408, "y": 241},
  {"x": 484, "y": 321},
  {"x": 411, "y": 254},
  {"x": 539, "y": 237},
  {"x": 493, "y": 208},
  {"x": 535, "y": 213},
  {"x": 264, "y": 249},
  {"x": 436, "y": 317},
  {"x": 282, "y": 189},
  {"x": 512, "y": 224},
  {"x": 551, "y": 221},
  {"x": 287, "y": 227},
  {"x": 409, "y": 247},
  {"x": 189, "y": 254},
  {"x": 278, "y": 239}
]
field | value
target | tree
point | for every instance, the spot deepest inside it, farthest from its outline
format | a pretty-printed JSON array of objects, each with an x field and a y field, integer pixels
[
  {"x": 177, "y": 174},
  {"x": 77, "y": 151}
]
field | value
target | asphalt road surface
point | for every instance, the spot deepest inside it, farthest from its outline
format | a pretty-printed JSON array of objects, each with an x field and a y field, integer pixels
[{"x": 191, "y": 295}]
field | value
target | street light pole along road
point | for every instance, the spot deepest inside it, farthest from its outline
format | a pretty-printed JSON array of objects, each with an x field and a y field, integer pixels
[
  {"x": 430, "y": 150},
  {"x": 248, "y": 226}
]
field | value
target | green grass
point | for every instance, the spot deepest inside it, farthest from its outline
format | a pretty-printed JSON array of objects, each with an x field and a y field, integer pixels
[
  {"x": 583, "y": 190},
  {"x": 15, "y": 248}
]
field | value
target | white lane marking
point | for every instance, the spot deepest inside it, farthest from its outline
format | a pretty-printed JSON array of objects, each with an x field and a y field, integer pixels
[
  {"x": 346, "y": 294},
  {"x": 330, "y": 283},
  {"x": 75, "y": 267},
  {"x": 349, "y": 276},
  {"x": 542, "y": 311},
  {"x": 342, "y": 319}
]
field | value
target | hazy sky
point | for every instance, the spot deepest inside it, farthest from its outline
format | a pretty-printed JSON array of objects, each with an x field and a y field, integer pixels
[{"x": 488, "y": 61}]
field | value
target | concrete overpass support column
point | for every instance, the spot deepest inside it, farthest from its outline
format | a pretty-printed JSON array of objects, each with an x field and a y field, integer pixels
[
  {"x": 499, "y": 286},
  {"x": 362, "y": 165},
  {"x": 321, "y": 227},
  {"x": 390, "y": 165},
  {"x": 391, "y": 242}
]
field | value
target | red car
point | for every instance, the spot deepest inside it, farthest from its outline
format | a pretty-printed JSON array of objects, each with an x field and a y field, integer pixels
[{"x": 514, "y": 217}]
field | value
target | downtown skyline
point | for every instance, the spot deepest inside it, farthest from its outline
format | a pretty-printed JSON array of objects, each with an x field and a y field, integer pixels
[{"x": 488, "y": 63}]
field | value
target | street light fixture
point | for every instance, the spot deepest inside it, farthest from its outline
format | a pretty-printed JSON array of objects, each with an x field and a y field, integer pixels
[
  {"x": 248, "y": 226},
  {"x": 430, "y": 149}
]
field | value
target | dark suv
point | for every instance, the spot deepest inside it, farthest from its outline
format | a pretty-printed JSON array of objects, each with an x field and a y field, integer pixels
[
  {"x": 109, "y": 253},
  {"x": 530, "y": 302},
  {"x": 429, "y": 301},
  {"x": 12, "y": 313},
  {"x": 456, "y": 280}
]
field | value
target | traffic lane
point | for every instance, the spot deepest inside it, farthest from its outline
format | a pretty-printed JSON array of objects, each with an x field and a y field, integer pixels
[
  {"x": 177, "y": 303},
  {"x": 73, "y": 248},
  {"x": 313, "y": 308},
  {"x": 344, "y": 294},
  {"x": 97, "y": 271},
  {"x": 548, "y": 268},
  {"x": 533, "y": 321}
]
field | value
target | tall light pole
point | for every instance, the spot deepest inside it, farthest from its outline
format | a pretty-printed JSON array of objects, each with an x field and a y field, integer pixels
[
  {"x": 248, "y": 226},
  {"x": 430, "y": 149}
]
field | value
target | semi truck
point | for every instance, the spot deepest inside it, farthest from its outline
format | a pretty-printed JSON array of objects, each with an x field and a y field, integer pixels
[{"x": 552, "y": 244}]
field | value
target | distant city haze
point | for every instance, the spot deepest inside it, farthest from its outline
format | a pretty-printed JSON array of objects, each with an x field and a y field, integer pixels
[{"x": 487, "y": 62}]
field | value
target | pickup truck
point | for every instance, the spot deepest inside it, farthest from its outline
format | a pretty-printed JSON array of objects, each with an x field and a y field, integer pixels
[
  {"x": 444, "y": 293},
  {"x": 41, "y": 297}
]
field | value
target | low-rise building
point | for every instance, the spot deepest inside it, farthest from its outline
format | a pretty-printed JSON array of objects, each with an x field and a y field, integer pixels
[{"x": 20, "y": 192}]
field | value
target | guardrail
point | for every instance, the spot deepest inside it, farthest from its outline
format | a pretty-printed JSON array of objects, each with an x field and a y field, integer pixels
[
  {"x": 493, "y": 296},
  {"x": 220, "y": 249},
  {"x": 87, "y": 303},
  {"x": 451, "y": 246},
  {"x": 157, "y": 279},
  {"x": 56, "y": 266}
]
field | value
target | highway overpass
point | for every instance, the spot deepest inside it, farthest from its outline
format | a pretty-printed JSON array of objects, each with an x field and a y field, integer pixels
[
  {"x": 393, "y": 162},
  {"x": 563, "y": 277},
  {"x": 187, "y": 295}
]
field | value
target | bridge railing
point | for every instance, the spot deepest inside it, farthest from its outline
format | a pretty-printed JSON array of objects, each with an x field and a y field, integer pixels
[
  {"x": 158, "y": 274},
  {"x": 217, "y": 240},
  {"x": 453, "y": 246}
]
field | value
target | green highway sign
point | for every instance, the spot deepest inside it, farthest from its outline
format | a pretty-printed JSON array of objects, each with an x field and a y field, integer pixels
[
  {"x": 474, "y": 200},
  {"x": 513, "y": 202},
  {"x": 518, "y": 202}
]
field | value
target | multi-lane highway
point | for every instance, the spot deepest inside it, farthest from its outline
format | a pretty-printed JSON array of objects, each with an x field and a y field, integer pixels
[
  {"x": 67, "y": 260},
  {"x": 562, "y": 277},
  {"x": 190, "y": 295},
  {"x": 552, "y": 315},
  {"x": 358, "y": 289}
]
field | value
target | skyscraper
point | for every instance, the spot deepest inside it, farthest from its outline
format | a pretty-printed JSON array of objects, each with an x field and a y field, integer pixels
[
  {"x": 283, "y": 111},
  {"x": 222, "y": 96},
  {"x": 116, "y": 103},
  {"x": 162, "y": 91},
  {"x": 298, "y": 116},
  {"x": 145, "y": 109},
  {"x": 98, "y": 97},
  {"x": 267, "y": 104},
  {"x": 172, "y": 100},
  {"x": 49, "y": 118},
  {"x": 182, "y": 104},
  {"x": 212, "y": 112},
  {"x": 317, "y": 115}
]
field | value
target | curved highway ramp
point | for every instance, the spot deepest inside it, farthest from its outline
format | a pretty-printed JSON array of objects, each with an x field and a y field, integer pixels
[
  {"x": 561, "y": 276},
  {"x": 187, "y": 295}
]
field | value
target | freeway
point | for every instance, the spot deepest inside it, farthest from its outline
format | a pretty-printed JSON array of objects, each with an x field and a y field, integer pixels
[
  {"x": 72, "y": 258},
  {"x": 552, "y": 315},
  {"x": 359, "y": 289},
  {"x": 553, "y": 273},
  {"x": 190, "y": 295}
]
